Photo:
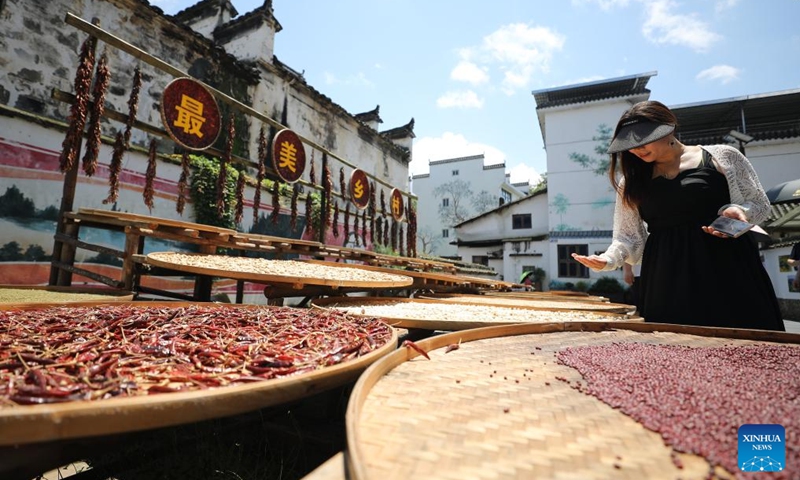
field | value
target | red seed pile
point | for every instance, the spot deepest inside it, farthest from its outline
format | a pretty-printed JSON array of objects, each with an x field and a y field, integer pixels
[
  {"x": 697, "y": 397},
  {"x": 89, "y": 353}
]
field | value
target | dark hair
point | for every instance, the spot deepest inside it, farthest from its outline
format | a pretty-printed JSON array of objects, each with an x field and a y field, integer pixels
[{"x": 637, "y": 174}]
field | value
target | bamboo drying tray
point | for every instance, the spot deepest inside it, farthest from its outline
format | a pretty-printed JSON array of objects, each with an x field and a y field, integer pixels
[
  {"x": 28, "y": 424},
  {"x": 15, "y": 295},
  {"x": 485, "y": 410},
  {"x": 147, "y": 221},
  {"x": 557, "y": 295},
  {"x": 447, "y": 316},
  {"x": 538, "y": 303},
  {"x": 254, "y": 273},
  {"x": 430, "y": 280}
]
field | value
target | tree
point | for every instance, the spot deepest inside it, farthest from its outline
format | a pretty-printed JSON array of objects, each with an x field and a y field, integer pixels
[
  {"x": 34, "y": 253},
  {"x": 427, "y": 240},
  {"x": 484, "y": 201},
  {"x": 454, "y": 211},
  {"x": 10, "y": 252},
  {"x": 599, "y": 165},
  {"x": 542, "y": 185},
  {"x": 14, "y": 204}
]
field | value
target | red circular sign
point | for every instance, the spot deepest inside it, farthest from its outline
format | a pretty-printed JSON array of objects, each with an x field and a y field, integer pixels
[
  {"x": 190, "y": 114},
  {"x": 288, "y": 155},
  {"x": 359, "y": 188},
  {"x": 396, "y": 204}
]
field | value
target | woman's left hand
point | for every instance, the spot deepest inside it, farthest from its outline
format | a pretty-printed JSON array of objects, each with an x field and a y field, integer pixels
[{"x": 730, "y": 212}]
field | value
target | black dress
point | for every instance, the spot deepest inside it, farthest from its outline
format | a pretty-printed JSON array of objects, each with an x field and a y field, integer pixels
[{"x": 692, "y": 278}]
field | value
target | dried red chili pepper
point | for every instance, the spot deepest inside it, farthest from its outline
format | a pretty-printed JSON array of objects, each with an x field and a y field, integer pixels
[
  {"x": 412, "y": 229},
  {"x": 386, "y": 232},
  {"x": 364, "y": 228},
  {"x": 150, "y": 175},
  {"x": 274, "y": 216},
  {"x": 224, "y": 161},
  {"x": 342, "y": 184},
  {"x": 346, "y": 223},
  {"x": 356, "y": 233},
  {"x": 400, "y": 240},
  {"x": 115, "y": 168},
  {"x": 383, "y": 204},
  {"x": 262, "y": 162},
  {"x": 312, "y": 173},
  {"x": 335, "y": 226},
  {"x": 327, "y": 192},
  {"x": 77, "y": 116},
  {"x": 394, "y": 235},
  {"x": 93, "y": 141},
  {"x": 133, "y": 105},
  {"x": 310, "y": 214},
  {"x": 372, "y": 212},
  {"x": 183, "y": 182},
  {"x": 295, "y": 195},
  {"x": 240, "y": 185},
  {"x": 379, "y": 230}
]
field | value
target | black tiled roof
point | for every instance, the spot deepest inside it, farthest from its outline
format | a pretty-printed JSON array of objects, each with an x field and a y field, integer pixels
[
  {"x": 592, "y": 91},
  {"x": 582, "y": 234}
]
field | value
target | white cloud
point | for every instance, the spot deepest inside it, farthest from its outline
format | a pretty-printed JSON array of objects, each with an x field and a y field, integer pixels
[
  {"x": 722, "y": 73},
  {"x": 459, "y": 99},
  {"x": 517, "y": 50},
  {"x": 603, "y": 4},
  {"x": 723, "y": 5},
  {"x": 664, "y": 27},
  {"x": 523, "y": 173},
  {"x": 468, "y": 72},
  {"x": 357, "y": 80},
  {"x": 449, "y": 145}
]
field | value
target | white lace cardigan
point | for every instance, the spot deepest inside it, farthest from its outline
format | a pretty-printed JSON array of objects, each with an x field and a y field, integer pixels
[{"x": 745, "y": 191}]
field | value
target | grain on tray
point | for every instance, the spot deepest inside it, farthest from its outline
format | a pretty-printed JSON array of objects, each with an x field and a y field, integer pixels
[
  {"x": 696, "y": 398},
  {"x": 468, "y": 313},
  {"x": 24, "y": 295},
  {"x": 287, "y": 268},
  {"x": 518, "y": 302}
]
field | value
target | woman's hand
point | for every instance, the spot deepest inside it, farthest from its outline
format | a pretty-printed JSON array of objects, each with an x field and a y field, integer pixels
[
  {"x": 595, "y": 262},
  {"x": 730, "y": 212}
]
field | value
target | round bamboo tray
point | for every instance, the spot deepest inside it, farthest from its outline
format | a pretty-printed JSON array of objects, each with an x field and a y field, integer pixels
[
  {"x": 257, "y": 270},
  {"x": 537, "y": 303},
  {"x": 451, "y": 316},
  {"x": 421, "y": 279},
  {"x": 23, "y": 294},
  {"x": 493, "y": 408},
  {"x": 555, "y": 295},
  {"x": 29, "y": 424}
]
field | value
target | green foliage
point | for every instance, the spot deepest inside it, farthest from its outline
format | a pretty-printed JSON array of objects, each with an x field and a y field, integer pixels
[
  {"x": 581, "y": 286},
  {"x": 598, "y": 165},
  {"x": 14, "y": 204},
  {"x": 203, "y": 191},
  {"x": 607, "y": 285},
  {"x": 542, "y": 185},
  {"x": 385, "y": 250},
  {"x": 35, "y": 253},
  {"x": 10, "y": 252}
]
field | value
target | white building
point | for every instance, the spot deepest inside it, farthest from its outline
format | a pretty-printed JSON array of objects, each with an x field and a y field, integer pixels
[
  {"x": 512, "y": 238},
  {"x": 455, "y": 190}
]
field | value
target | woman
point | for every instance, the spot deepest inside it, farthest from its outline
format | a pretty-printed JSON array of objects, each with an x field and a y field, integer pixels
[{"x": 691, "y": 274}]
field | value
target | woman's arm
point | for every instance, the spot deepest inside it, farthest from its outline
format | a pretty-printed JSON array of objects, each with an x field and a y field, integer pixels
[{"x": 744, "y": 187}]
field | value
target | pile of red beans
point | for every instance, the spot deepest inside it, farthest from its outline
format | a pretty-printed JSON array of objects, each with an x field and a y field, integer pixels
[{"x": 697, "y": 397}]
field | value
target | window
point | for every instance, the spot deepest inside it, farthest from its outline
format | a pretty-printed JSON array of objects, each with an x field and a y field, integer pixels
[
  {"x": 522, "y": 220},
  {"x": 445, "y": 233},
  {"x": 481, "y": 259},
  {"x": 567, "y": 266},
  {"x": 455, "y": 172},
  {"x": 445, "y": 202},
  {"x": 505, "y": 196}
]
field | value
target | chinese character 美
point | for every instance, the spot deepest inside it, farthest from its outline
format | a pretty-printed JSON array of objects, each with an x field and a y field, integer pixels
[
  {"x": 396, "y": 206},
  {"x": 358, "y": 189},
  {"x": 288, "y": 156},
  {"x": 190, "y": 116}
]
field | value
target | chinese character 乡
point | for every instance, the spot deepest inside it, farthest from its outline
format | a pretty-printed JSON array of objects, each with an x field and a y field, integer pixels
[
  {"x": 190, "y": 116},
  {"x": 288, "y": 156},
  {"x": 358, "y": 189}
]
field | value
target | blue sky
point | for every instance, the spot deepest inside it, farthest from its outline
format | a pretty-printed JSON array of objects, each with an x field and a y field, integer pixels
[{"x": 465, "y": 69}]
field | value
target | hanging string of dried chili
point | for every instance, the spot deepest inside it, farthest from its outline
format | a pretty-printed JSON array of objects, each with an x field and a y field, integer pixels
[
  {"x": 378, "y": 230},
  {"x": 346, "y": 223},
  {"x": 386, "y": 232},
  {"x": 295, "y": 195},
  {"x": 224, "y": 161},
  {"x": 400, "y": 240},
  {"x": 95, "y": 353},
  {"x": 356, "y": 233},
  {"x": 115, "y": 168},
  {"x": 183, "y": 183},
  {"x": 412, "y": 229},
  {"x": 150, "y": 176},
  {"x": 309, "y": 214},
  {"x": 335, "y": 226},
  {"x": 312, "y": 173},
  {"x": 93, "y": 141},
  {"x": 372, "y": 208},
  {"x": 364, "y": 227},
  {"x": 327, "y": 192},
  {"x": 274, "y": 215},
  {"x": 342, "y": 184},
  {"x": 394, "y": 234},
  {"x": 77, "y": 116},
  {"x": 240, "y": 184},
  {"x": 123, "y": 140},
  {"x": 262, "y": 159},
  {"x": 383, "y": 204}
]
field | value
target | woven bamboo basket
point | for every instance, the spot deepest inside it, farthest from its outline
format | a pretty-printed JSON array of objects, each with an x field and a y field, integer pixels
[
  {"x": 416, "y": 313},
  {"x": 537, "y": 303},
  {"x": 493, "y": 409},
  {"x": 30, "y": 424}
]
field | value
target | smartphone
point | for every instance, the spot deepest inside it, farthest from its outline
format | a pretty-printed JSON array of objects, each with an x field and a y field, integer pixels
[{"x": 730, "y": 226}]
